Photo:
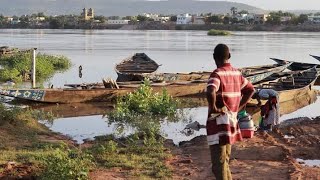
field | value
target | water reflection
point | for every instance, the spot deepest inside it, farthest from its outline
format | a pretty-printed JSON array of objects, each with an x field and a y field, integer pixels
[{"x": 93, "y": 121}]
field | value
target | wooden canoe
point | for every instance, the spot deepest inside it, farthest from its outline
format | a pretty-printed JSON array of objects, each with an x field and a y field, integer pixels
[
  {"x": 248, "y": 72},
  {"x": 316, "y": 57},
  {"x": 139, "y": 63},
  {"x": 291, "y": 87},
  {"x": 295, "y": 66},
  {"x": 102, "y": 94},
  {"x": 72, "y": 95}
]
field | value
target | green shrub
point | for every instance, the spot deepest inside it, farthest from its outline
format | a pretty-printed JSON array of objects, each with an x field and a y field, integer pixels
[
  {"x": 144, "y": 102},
  {"x": 68, "y": 165},
  {"x": 214, "y": 32},
  {"x": 20, "y": 64}
]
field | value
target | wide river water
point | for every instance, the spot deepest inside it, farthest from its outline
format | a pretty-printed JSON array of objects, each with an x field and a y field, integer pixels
[{"x": 177, "y": 51}]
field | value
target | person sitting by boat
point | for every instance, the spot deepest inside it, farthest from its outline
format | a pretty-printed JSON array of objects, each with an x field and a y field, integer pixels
[{"x": 270, "y": 111}]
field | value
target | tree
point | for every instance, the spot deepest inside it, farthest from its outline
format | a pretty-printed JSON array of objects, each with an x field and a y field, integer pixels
[
  {"x": 302, "y": 18},
  {"x": 234, "y": 20},
  {"x": 214, "y": 19},
  {"x": 102, "y": 19},
  {"x": 41, "y": 14},
  {"x": 317, "y": 14},
  {"x": 173, "y": 18},
  {"x": 244, "y": 12},
  {"x": 142, "y": 18},
  {"x": 226, "y": 20},
  {"x": 233, "y": 11}
]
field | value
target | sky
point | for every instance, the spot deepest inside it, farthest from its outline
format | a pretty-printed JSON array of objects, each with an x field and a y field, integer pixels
[{"x": 283, "y": 4}]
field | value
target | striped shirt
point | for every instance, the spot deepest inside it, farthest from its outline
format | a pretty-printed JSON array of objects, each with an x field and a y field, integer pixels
[{"x": 229, "y": 85}]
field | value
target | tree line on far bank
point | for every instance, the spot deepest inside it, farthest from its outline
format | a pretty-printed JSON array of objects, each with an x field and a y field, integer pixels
[{"x": 76, "y": 21}]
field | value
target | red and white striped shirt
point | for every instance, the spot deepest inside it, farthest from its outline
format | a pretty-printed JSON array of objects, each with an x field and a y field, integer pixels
[{"x": 229, "y": 85}]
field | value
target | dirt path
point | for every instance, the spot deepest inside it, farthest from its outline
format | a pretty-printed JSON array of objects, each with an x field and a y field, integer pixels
[{"x": 266, "y": 156}]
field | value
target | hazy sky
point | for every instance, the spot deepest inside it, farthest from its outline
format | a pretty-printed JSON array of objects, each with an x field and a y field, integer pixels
[{"x": 283, "y": 4}]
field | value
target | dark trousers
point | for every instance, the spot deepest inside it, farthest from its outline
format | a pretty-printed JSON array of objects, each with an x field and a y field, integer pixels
[{"x": 220, "y": 156}]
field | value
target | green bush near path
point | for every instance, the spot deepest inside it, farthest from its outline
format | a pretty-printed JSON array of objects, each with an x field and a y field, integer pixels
[
  {"x": 18, "y": 66},
  {"x": 214, "y": 32}
]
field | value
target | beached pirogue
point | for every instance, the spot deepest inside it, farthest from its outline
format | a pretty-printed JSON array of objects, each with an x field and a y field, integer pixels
[
  {"x": 291, "y": 86},
  {"x": 98, "y": 92},
  {"x": 299, "y": 66},
  {"x": 140, "y": 66}
]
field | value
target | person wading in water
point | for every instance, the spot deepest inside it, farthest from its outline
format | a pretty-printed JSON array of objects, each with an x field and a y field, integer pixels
[{"x": 227, "y": 93}]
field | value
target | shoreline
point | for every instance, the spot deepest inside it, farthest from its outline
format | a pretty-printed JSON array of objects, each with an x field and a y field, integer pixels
[
  {"x": 262, "y": 154},
  {"x": 204, "y": 27}
]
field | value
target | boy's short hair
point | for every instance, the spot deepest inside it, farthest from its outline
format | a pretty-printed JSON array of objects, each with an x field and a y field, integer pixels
[{"x": 221, "y": 52}]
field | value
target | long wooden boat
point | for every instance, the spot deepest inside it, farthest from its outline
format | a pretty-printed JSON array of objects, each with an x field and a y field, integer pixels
[
  {"x": 295, "y": 66},
  {"x": 72, "y": 95},
  {"x": 291, "y": 87},
  {"x": 201, "y": 75},
  {"x": 316, "y": 57},
  {"x": 286, "y": 107},
  {"x": 99, "y": 93},
  {"x": 137, "y": 64}
]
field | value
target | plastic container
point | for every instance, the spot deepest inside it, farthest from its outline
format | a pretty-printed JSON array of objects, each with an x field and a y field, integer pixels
[
  {"x": 247, "y": 133},
  {"x": 242, "y": 114}
]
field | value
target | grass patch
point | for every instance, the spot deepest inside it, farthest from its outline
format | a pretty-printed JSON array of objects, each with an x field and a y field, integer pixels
[
  {"x": 21, "y": 142},
  {"x": 18, "y": 66},
  {"x": 214, "y": 32}
]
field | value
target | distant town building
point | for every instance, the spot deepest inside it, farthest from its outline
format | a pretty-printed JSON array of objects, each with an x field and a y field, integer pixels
[
  {"x": 241, "y": 17},
  {"x": 285, "y": 18},
  {"x": 314, "y": 19},
  {"x": 198, "y": 20},
  {"x": 184, "y": 19},
  {"x": 119, "y": 21},
  {"x": 87, "y": 14},
  {"x": 260, "y": 18},
  {"x": 157, "y": 17}
]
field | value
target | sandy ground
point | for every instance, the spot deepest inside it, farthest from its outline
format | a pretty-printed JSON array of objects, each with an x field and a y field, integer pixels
[{"x": 265, "y": 156}]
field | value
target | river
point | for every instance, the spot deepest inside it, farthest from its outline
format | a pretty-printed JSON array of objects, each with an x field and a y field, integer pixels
[{"x": 177, "y": 51}]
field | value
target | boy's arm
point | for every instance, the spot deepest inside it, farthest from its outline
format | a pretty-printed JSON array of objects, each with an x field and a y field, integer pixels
[{"x": 211, "y": 97}]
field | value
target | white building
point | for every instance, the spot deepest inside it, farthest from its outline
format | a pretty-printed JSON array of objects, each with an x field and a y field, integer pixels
[
  {"x": 314, "y": 19},
  {"x": 184, "y": 19},
  {"x": 241, "y": 17},
  {"x": 198, "y": 20},
  {"x": 162, "y": 19},
  {"x": 260, "y": 18},
  {"x": 119, "y": 21},
  {"x": 285, "y": 18}
]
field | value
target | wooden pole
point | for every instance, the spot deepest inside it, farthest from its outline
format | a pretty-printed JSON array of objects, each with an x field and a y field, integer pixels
[{"x": 34, "y": 68}]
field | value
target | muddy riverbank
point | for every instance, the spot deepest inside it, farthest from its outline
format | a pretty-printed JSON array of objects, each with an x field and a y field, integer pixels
[{"x": 265, "y": 155}]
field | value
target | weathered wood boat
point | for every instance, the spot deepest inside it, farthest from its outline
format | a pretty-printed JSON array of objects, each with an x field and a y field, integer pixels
[
  {"x": 295, "y": 66},
  {"x": 72, "y": 95},
  {"x": 135, "y": 66},
  {"x": 99, "y": 93},
  {"x": 201, "y": 75},
  {"x": 291, "y": 87},
  {"x": 316, "y": 57},
  {"x": 286, "y": 107}
]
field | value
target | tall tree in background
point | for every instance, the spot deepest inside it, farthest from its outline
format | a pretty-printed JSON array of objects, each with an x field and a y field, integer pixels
[{"x": 233, "y": 11}]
